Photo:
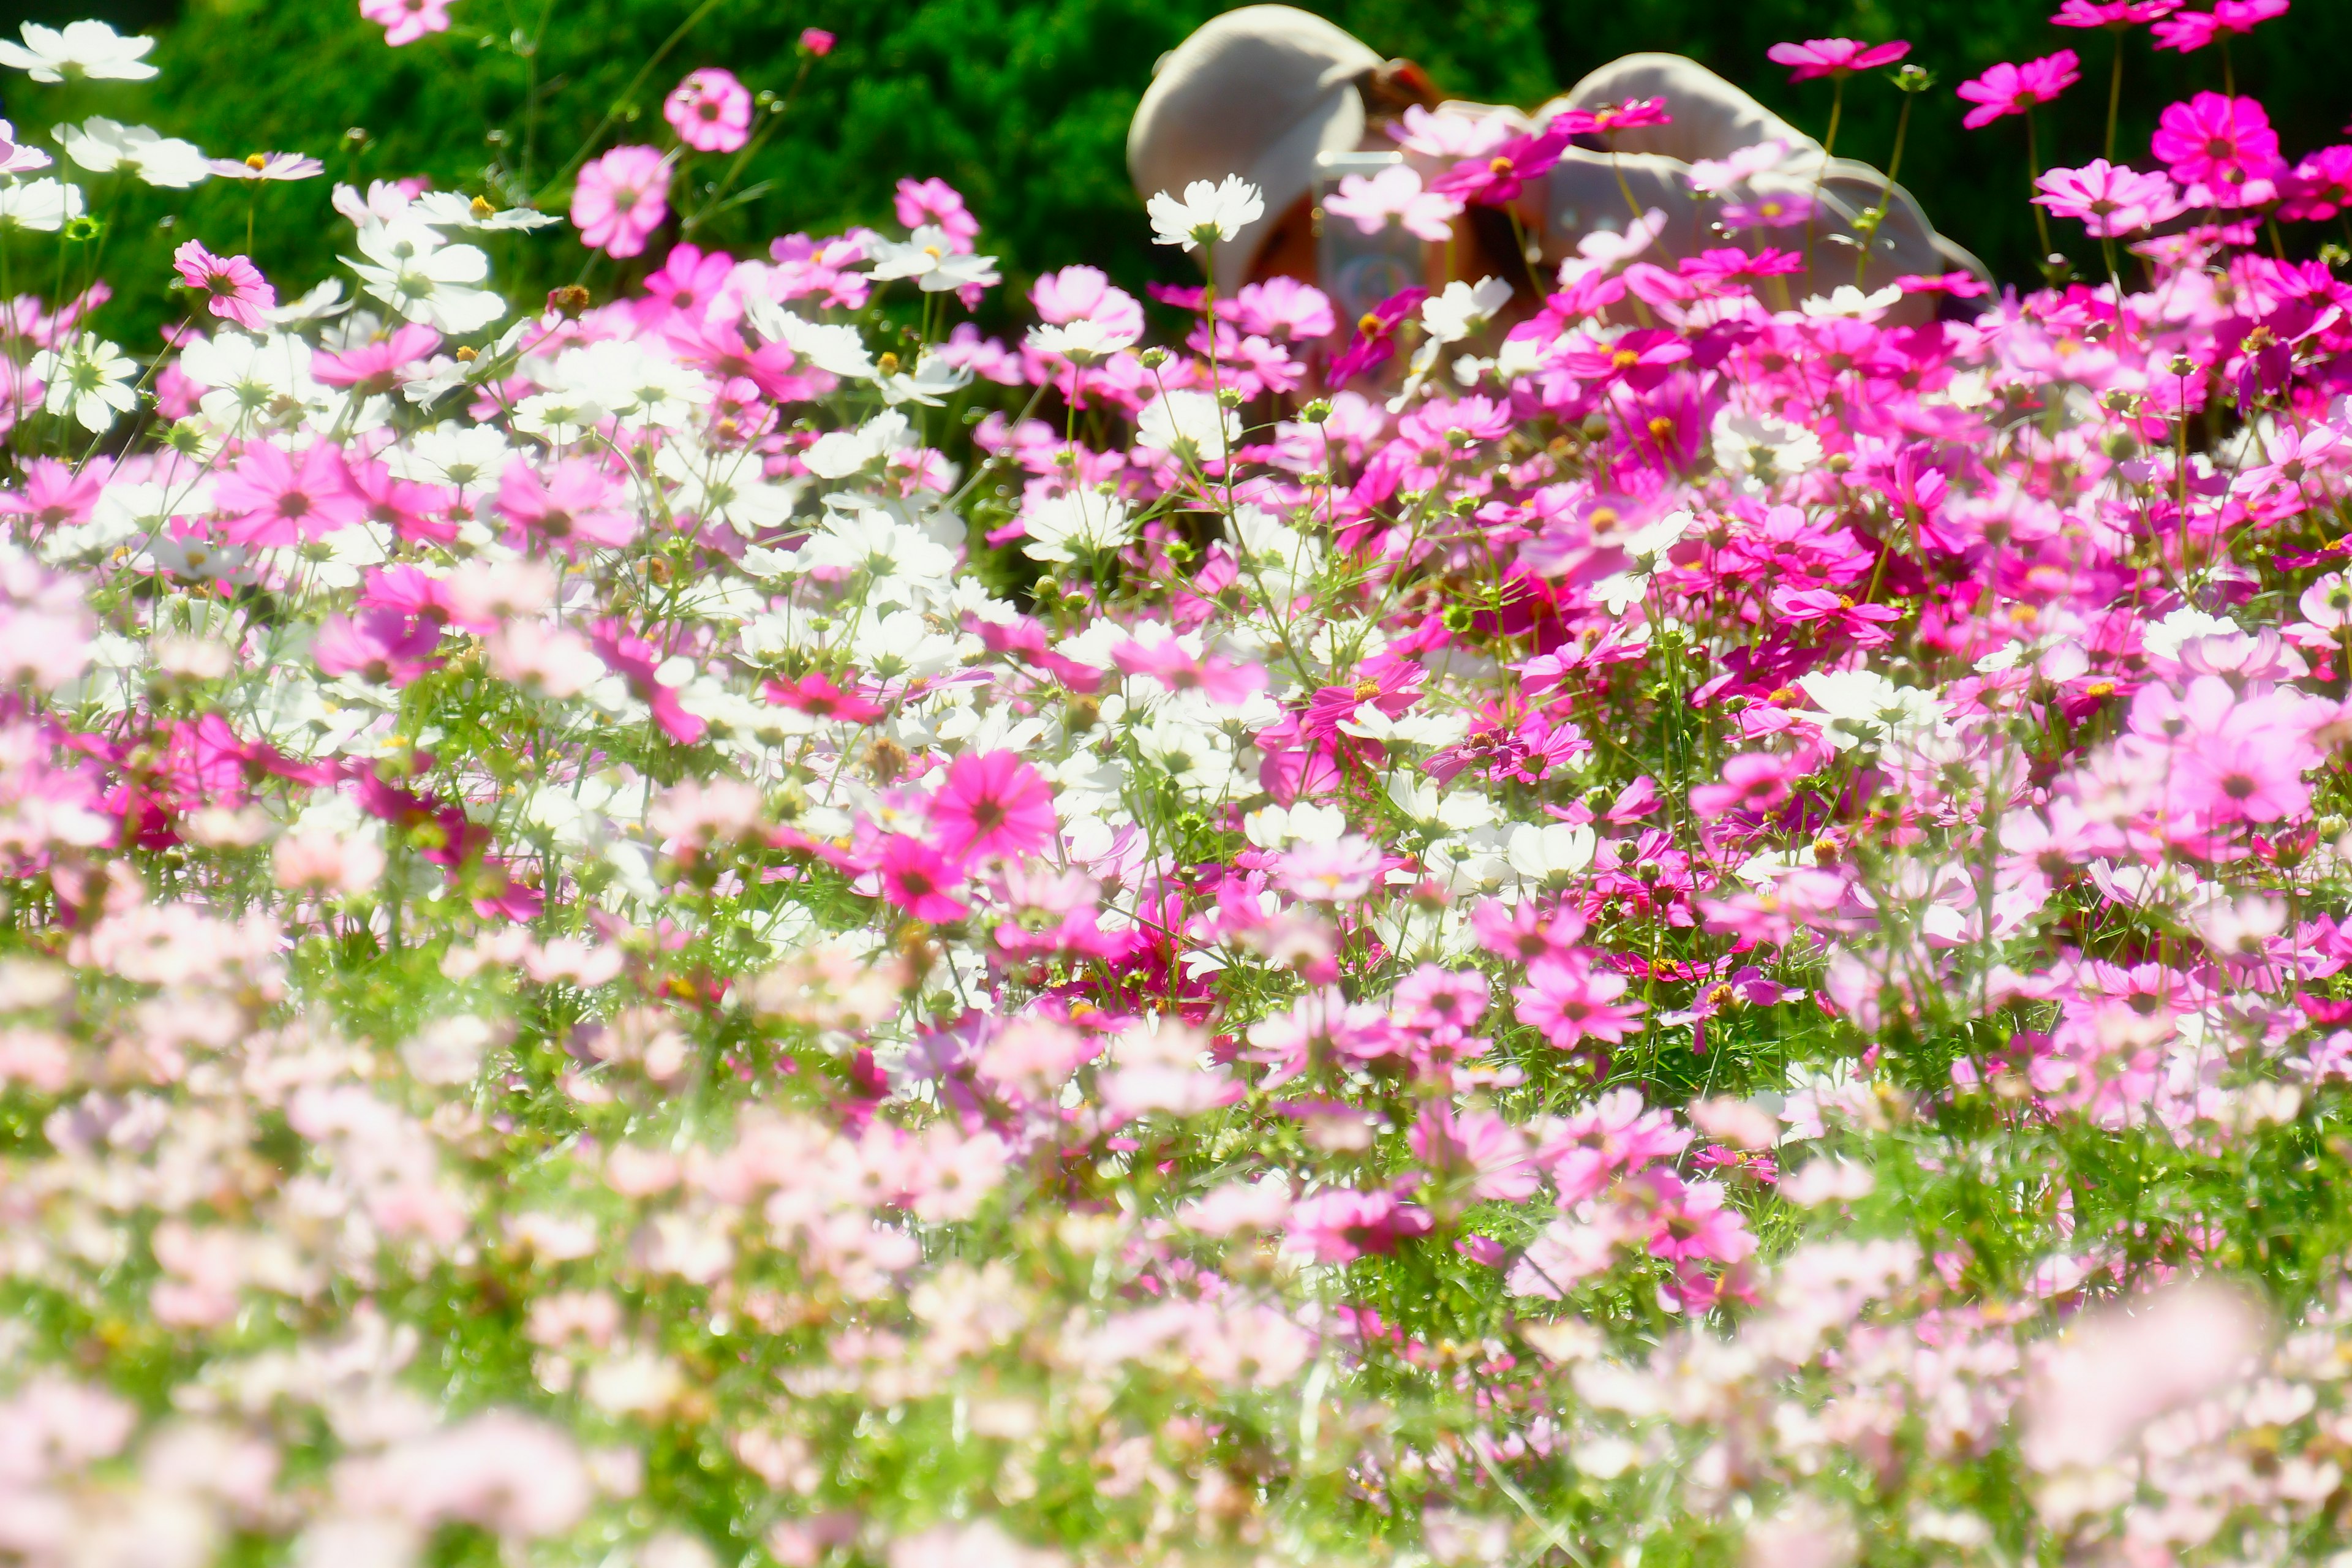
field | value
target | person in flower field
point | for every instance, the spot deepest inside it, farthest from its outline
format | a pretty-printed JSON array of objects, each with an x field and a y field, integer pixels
[{"x": 1651, "y": 152}]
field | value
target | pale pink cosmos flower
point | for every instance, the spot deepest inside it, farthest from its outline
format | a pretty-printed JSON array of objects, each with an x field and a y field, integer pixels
[
  {"x": 270, "y": 500},
  {"x": 1086, "y": 294},
  {"x": 320, "y": 860},
  {"x": 1477, "y": 1146},
  {"x": 1834, "y": 57},
  {"x": 406, "y": 21},
  {"x": 2123, "y": 1366},
  {"x": 267, "y": 167},
  {"x": 622, "y": 198},
  {"x": 2013, "y": 90},
  {"x": 936, "y": 202},
  {"x": 1394, "y": 195},
  {"x": 2109, "y": 199},
  {"x": 233, "y": 287},
  {"x": 1339, "y": 1223},
  {"x": 711, "y": 111}
]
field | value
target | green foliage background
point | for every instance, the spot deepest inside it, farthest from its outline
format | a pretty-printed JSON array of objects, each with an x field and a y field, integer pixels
[{"x": 1023, "y": 104}]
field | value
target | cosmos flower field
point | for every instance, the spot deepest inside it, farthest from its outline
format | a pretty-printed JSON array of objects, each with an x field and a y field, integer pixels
[{"x": 730, "y": 922}]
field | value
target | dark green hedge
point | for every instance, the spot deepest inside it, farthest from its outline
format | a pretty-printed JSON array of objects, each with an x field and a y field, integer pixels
[{"x": 1024, "y": 103}]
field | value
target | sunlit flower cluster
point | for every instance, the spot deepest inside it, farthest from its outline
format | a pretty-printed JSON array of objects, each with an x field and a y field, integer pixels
[{"x": 726, "y": 921}]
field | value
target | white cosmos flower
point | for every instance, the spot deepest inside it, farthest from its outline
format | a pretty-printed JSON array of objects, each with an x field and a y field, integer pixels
[
  {"x": 641, "y": 387},
  {"x": 245, "y": 378},
  {"x": 1464, "y": 308},
  {"x": 731, "y": 486},
  {"x": 411, "y": 268},
  {"x": 1541, "y": 852},
  {"x": 44, "y": 206},
  {"x": 1084, "y": 341},
  {"x": 102, "y": 146},
  {"x": 90, "y": 380},
  {"x": 1188, "y": 424},
  {"x": 1861, "y": 706},
  {"x": 1756, "y": 449},
  {"x": 462, "y": 456},
  {"x": 1206, "y": 214},
  {"x": 80, "y": 51},
  {"x": 931, "y": 259},
  {"x": 829, "y": 348},
  {"x": 1059, "y": 526},
  {"x": 1846, "y": 299},
  {"x": 931, "y": 383}
]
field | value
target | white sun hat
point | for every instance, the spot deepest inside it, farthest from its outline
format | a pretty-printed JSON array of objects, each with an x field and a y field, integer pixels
[{"x": 1258, "y": 92}]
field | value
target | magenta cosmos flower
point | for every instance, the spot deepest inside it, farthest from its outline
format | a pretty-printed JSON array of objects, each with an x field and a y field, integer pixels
[
  {"x": 1499, "y": 176},
  {"x": 1633, "y": 114},
  {"x": 2113, "y": 14},
  {"x": 992, "y": 803},
  {"x": 233, "y": 287},
  {"x": 575, "y": 503},
  {"x": 2012, "y": 89},
  {"x": 2192, "y": 30},
  {"x": 621, "y": 199},
  {"x": 406, "y": 21},
  {"x": 2108, "y": 199},
  {"x": 916, "y": 877},
  {"x": 711, "y": 111},
  {"x": 2221, "y": 144},
  {"x": 1834, "y": 57}
]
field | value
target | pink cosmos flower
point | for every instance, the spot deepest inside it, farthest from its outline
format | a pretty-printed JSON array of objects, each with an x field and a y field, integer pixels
[
  {"x": 992, "y": 803},
  {"x": 1524, "y": 932},
  {"x": 371, "y": 369},
  {"x": 2192, "y": 30},
  {"x": 1478, "y": 1146},
  {"x": 233, "y": 287},
  {"x": 2012, "y": 89},
  {"x": 1780, "y": 209},
  {"x": 1340, "y": 1223},
  {"x": 940, "y": 204},
  {"x": 380, "y": 646},
  {"x": 813, "y": 694},
  {"x": 1225, "y": 682},
  {"x": 816, "y": 41},
  {"x": 1834, "y": 57},
  {"x": 1394, "y": 195},
  {"x": 576, "y": 503},
  {"x": 916, "y": 877},
  {"x": 1374, "y": 342},
  {"x": 2223, "y": 147},
  {"x": 1340, "y": 872},
  {"x": 1281, "y": 308},
  {"x": 1690, "y": 1224},
  {"x": 1640, "y": 359},
  {"x": 1498, "y": 177},
  {"x": 621, "y": 199},
  {"x": 1587, "y": 1149},
  {"x": 1633, "y": 114},
  {"x": 711, "y": 111},
  {"x": 1086, "y": 294},
  {"x": 270, "y": 500},
  {"x": 2320, "y": 186},
  {"x": 406, "y": 21},
  {"x": 1571, "y": 1003},
  {"x": 51, "y": 495},
  {"x": 1755, "y": 781},
  {"x": 2109, "y": 199},
  {"x": 2113, "y": 14},
  {"x": 1434, "y": 998}
]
